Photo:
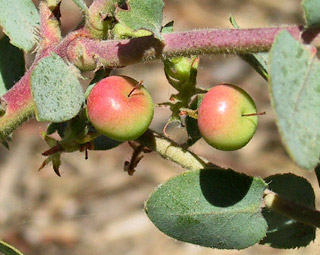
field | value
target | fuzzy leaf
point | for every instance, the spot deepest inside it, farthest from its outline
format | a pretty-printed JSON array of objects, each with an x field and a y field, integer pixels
[
  {"x": 19, "y": 20},
  {"x": 311, "y": 9},
  {"x": 142, "y": 14},
  {"x": 285, "y": 233},
  {"x": 11, "y": 65},
  {"x": 295, "y": 93},
  {"x": 7, "y": 249},
  {"x": 56, "y": 90},
  {"x": 212, "y": 207}
]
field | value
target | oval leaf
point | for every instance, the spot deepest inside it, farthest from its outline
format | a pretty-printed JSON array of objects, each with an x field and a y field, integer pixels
[
  {"x": 142, "y": 14},
  {"x": 311, "y": 9},
  {"x": 7, "y": 249},
  {"x": 19, "y": 20},
  {"x": 11, "y": 65},
  {"x": 211, "y": 207},
  {"x": 56, "y": 90},
  {"x": 285, "y": 233},
  {"x": 295, "y": 92}
]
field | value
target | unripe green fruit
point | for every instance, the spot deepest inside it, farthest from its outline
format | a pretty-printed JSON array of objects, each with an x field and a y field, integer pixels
[
  {"x": 226, "y": 117},
  {"x": 120, "y": 108}
]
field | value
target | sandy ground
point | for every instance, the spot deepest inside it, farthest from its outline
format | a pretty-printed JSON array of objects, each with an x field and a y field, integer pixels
[{"x": 95, "y": 208}]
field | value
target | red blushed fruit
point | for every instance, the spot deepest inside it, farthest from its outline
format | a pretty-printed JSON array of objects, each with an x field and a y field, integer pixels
[
  {"x": 227, "y": 117},
  {"x": 120, "y": 108}
]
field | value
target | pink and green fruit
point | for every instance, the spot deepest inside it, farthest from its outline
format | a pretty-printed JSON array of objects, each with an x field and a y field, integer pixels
[
  {"x": 227, "y": 117},
  {"x": 120, "y": 108}
]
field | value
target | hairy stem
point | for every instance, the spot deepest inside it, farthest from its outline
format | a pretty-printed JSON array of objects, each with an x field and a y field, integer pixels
[
  {"x": 89, "y": 54},
  {"x": 170, "y": 150},
  {"x": 298, "y": 212},
  {"x": 18, "y": 107}
]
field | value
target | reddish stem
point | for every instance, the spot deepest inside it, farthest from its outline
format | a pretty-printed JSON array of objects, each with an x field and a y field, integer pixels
[
  {"x": 253, "y": 114},
  {"x": 135, "y": 87},
  {"x": 88, "y": 54}
]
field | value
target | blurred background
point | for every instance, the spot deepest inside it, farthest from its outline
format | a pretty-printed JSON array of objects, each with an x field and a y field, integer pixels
[{"x": 95, "y": 208}]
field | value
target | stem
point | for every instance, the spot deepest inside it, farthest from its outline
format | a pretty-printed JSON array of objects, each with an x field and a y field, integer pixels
[
  {"x": 135, "y": 87},
  {"x": 49, "y": 26},
  {"x": 170, "y": 150},
  {"x": 298, "y": 212},
  {"x": 89, "y": 54},
  {"x": 253, "y": 114},
  {"x": 19, "y": 107},
  {"x": 119, "y": 53}
]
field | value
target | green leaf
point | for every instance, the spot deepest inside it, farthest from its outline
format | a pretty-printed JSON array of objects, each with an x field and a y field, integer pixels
[
  {"x": 19, "y": 20},
  {"x": 212, "y": 207},
  {"x": 57, "y": 127},
  {"x": 56, "y": 90},
  {"x": 259, "y": 61},
  {"x": 311, "y": 9},
  {"x": 285, "y": 233},
  {"x": 105, "y": 143},
  {"x": 192, "y": 124},
  {"x": 168, "y": 28},
  {"x": 6, "y": 144},
  {"x": 7, "y": 249},
  {"x": 11, "y": 65},
  {"x": 82, "y": 6},
  {"x": 295, "y": 93},
  {"x": 142, "y": 14},
  {"x": 317, "y": 172}
]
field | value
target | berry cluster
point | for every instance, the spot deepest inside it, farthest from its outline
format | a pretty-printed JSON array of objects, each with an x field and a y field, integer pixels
[{"x": 121, "y": 108}]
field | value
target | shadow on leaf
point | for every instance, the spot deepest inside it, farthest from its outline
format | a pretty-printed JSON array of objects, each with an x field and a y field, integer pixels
[
  {"x": 224, "y": 188},
  {"x": 285, "y": 233}
]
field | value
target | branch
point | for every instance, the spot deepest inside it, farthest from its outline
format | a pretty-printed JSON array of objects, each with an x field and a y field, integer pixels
[
  {"x": 298, "y": 212},
  {"x": 90, "y": 54},
  {"x": 86, "y": 53},
  {"x": 170, "y": 150}
]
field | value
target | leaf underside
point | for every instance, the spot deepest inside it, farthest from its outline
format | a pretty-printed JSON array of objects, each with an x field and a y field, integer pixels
[
  {"x": 295, "y": 93},
  {"x": 311, "y": 9},
  {"x": 19, "y": 20}
]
